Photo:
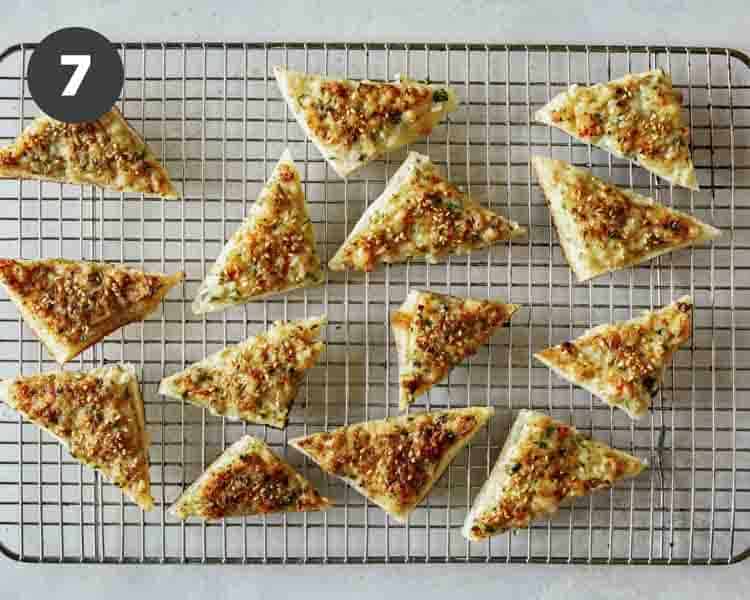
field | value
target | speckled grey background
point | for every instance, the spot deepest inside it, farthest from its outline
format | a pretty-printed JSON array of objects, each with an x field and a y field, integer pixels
[{"x": 724, "y": 23}]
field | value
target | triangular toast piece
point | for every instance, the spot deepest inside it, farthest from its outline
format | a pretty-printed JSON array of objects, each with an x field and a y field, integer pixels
[
  {"x": 353, "y": 122},
  {"x": 543, "y": 463},
  {"x": 97, "y": 415},
  {"x": 107, "y": 153},
  {"x": 247, "y": 479},
  {"x": 623, "y": 363},
  {"x": 435, "y": 332},
  {"x": 395, "y": 462},
  {"x": 255, "y": 381},
  {"x": 272, "y": 252},
  {"x": 603, "y": 228},
  {"x": 420, "y": 214},
  {"x": 72, "y": 304},
  {"x": 637, "y": 117}
]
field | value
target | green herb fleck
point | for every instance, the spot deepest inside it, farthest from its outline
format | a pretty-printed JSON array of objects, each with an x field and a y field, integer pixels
[{"x": 440, "y": 95}]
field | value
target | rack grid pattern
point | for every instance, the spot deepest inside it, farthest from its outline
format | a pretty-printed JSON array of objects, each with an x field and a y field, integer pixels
[{"x": 214, "y": 114}]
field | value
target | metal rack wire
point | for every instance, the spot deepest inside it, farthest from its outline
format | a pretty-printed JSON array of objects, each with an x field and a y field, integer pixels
[{"x": 212, "y": 111}]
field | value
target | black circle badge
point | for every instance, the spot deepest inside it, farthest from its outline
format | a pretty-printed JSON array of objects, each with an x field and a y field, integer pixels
[{"x": 75, "y": 75}]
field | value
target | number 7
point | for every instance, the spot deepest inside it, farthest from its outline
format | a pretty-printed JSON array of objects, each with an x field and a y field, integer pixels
[{"x": 82, "y": 63}]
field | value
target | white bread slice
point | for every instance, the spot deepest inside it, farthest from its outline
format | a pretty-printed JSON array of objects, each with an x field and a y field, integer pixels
[
  {"x": 543, "y": 463},
  {"x": 623, "y": 363},
  {"x": 255, "y": 381},
  {"x": 435, "y": 332},
  {"x": 603, "y": 228},
  {"x": 107, "y": 153},
  {"x": 637, "y": 117},
  {"x": 395, "y": 462},
  {"x": 247, "y": 479},
  {"x": 351, "y": 122},
  {"x": 73, "y": 304},
  {"x": 97, "y": 415},
  {"x": 272, "y": 252},
  {"x": 420, "y": 214}
]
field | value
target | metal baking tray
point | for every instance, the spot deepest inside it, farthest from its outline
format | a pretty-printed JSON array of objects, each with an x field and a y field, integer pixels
[{"x": 213, "y": 113}]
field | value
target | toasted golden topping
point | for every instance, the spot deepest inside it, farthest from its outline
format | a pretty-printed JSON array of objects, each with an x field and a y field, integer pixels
[
  {"x": 95, "y": 416},
  {"x": 551, "y": 462},
  {"x": 637, "y": 117},
  {"x": 255, "y": 484},
  {"x": 76, "y": 299},
  {"x": 397, "y": 460},
  {"x": 427, "y": 217},
  {"x": 624, "y": 361},
  {"x": 103, "y": 152},
  {"x": 256, "y": 380},
  {"x": 617, "y": 227},
  {"x": 274, "y": 250},
  {"x": 443, "y": 331},
  {"x": 363, "y": 114}
]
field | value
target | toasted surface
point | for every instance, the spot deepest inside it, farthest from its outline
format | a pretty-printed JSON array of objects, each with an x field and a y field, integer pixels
[
  {"x": 354, "y": 122},
  {"x": 72, "y": 304},
  {"x": 107, "y": 153},
  {"x": 435, "y": 332},
  {"x": 420, "y": 214},
  {"x": 602, "y": 228},
  {"x": 256, "y": 380},
  {"x": 636, "y": 117},
  {"x": 97, "y": 415},
  {"x": 543, "y": 463},
  {"x": 395, "y": 462},
  {"x": 623, "y": 363},
  {"x": 248, "y": 479},
  {"x": 272, "y": 252}
]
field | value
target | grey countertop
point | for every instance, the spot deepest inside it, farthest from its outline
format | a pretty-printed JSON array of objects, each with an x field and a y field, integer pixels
[{"x": 667, "y": 22}]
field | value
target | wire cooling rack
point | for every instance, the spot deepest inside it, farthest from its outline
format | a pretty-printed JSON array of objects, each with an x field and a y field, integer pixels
[{"x": 215, "y": 116}]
